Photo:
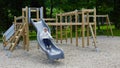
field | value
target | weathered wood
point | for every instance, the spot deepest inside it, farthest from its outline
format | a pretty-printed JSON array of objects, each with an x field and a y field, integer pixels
[
  {"x": 70, "y": 28},
  {"x": 88, "y": 29},
  {"x": 94, "y": 39},
  {"x": 108, "y": 20},
  {"x": 66, "y": 29},
  {"x": 61, "y": 28},
  {"x": 19, "y": 18},
  {"x": 56, "y": 29},
  {"x": 76, "y": 29},
  {"x": 83, "y": 28},
  {"x": 64, "y": 24},
  {"x": 49, "y": 19}
]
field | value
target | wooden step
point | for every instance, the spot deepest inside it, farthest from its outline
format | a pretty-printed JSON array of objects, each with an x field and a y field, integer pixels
[
  {"x": 20, "y": 30},
  {"x": 13, "y": 44},
  {"x": 16, "y": 36}
]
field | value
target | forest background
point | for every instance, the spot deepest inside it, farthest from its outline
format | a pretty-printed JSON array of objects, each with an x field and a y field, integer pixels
[{"x": 11, "y": 8}]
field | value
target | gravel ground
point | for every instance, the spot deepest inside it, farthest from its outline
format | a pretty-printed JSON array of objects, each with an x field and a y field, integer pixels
[{"x": 75, "y": 57}]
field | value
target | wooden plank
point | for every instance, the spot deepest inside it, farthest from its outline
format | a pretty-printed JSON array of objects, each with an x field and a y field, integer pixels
[
  {"x": 87, "y": 29},
  {"x": 49, "y": 19},
  {"x": 78, "y": 23},
  {"x": 23, "y": 9},
  {"x": 70, "y": 28},
  {"x": 76, "y": 29},
  {"x": 67, "y": 13},
  {"x": 61, "y": 29},
  {"x": 33, "y": 10},
  {"x": 16, "y": 36},
  {"x": 56, "y": 29},
  {"x": 27, "y": 30},
  {"x": 108, "y": 20},
  {"x": 66, "y": 28},
  {"x": 94, "y": 39},
  {"x": 87, "y": 10},
  {"x": 83, "y": 29},
  {"x": 37, "y": 14},
  {"x": 14, "y": 22},
  {"x": 20, "y": 17},
  {"x": 70, "y": 13},
  {"x": 94, "y": 22},
  {"x": 98, "y": 15}
]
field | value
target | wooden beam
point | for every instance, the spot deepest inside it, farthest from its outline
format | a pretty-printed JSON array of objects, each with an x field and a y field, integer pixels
[
  {"x": 61, "y": 28},
  {"x": 56, "y": 29},
  {"x": 76, "y": 29},
  {"x": 20, "y": 18},
  {"x": 77, "y": 23},
  {"x": 94, "y": 39},
  {"x": 49, "y": 19},
  {"x": 98, "y": 15},
  {"x": 83, "y": 28},
  {"x": 108, "y": 20},
  {"x": 94, "y": 22},
  {"x": 66, "y": 28},
  {"x": 88, "y": 29}
]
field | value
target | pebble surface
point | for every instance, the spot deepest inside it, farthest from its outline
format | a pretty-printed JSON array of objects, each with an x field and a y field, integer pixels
[{"x": 108, "y": 55}]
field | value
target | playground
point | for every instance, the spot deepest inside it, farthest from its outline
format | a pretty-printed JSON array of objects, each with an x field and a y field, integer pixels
[
  {"x": 75, "y": 57},
  {"x": 85, "y": 50}
]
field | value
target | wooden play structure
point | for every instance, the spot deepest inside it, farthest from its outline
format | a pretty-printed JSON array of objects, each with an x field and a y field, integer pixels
[
  {"x": 20, "y": 30},
  {"x": 79, "y": 18}
]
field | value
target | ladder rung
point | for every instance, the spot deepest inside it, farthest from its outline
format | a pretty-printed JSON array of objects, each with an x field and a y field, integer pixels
[
  {"x": 20, "y": 29},
  {"x": 13, "y": 43},
  {"x": 16, "y": 36}
]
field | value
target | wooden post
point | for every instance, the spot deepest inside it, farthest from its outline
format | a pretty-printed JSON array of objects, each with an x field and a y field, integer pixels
[
  {"x": 108, "y": 20},
  {"x": 94, "y": 39},
  {"x": 95, "y": 28},
  {"x": 83, "y": 28},
  {"x": 61, "y": 28},
  {"x": 95, "y": 22},
  {"x": 87, "y": 28},
  {"x": 15, "y": 23},
  {"x": 76, "y": 21},
  {"x": 37, "y": 14},
  {"x": 107, "y": 26},
  {"x": 66, "y": 28},
  {"x": 27, "y": 30},
  {"x": 24, "y": 40},
  {"x": 56, "y": 29},
  {"x": 70, "y": 28}
]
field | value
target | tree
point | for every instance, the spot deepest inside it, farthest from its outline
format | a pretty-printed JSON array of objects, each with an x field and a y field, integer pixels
[{"x": 116, "y": 13}]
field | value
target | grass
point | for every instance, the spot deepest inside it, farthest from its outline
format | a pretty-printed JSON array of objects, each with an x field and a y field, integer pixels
[
  {"x": 103, "y": 31},
  {"x": 32, "y": 35}
]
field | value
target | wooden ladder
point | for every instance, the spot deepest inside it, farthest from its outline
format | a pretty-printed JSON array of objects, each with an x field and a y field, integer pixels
[{"x": 17, "y": 36}]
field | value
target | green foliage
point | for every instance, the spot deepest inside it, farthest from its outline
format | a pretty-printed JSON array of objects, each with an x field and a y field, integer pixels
[
  {"x": 10, "y": 8},
  {"x": 55, "y": 11}
]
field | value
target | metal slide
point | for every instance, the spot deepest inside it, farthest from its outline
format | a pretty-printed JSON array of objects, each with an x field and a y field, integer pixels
[
  {"x": 9, "y": 33},
  {"x": 54, "y": 52}
]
